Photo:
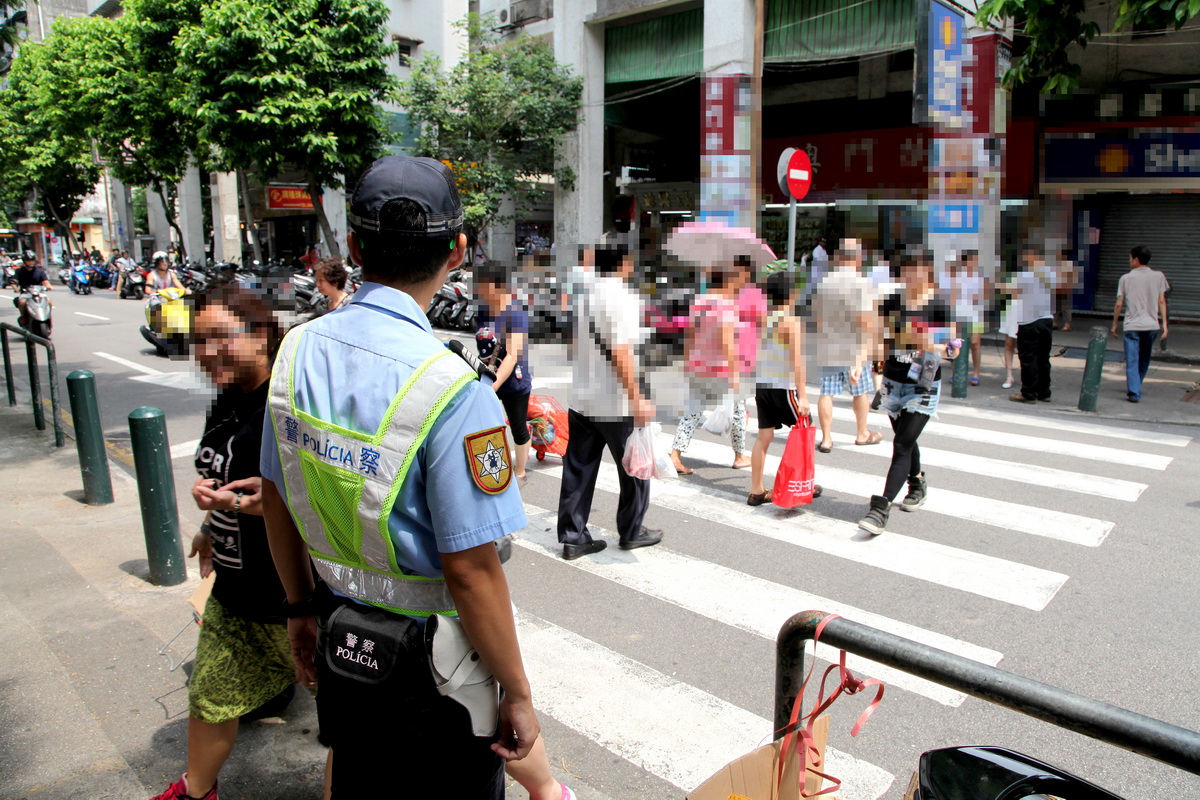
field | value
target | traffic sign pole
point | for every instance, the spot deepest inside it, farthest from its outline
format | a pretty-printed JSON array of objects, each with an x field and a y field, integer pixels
[{"x": 792, "y": 234}]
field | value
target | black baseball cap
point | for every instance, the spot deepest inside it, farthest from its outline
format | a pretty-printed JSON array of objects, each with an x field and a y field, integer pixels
[{"x": 425, "y": 181}]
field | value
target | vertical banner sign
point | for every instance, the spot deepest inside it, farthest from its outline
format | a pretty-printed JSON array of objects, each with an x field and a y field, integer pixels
[
  {"x": 945, "y": 55},
  {"x": 725, "y": 190}
]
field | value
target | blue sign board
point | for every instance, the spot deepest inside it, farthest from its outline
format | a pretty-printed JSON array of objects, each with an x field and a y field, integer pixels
[
  {"x": 1160, "y": 155},
  {"x": 954, "y": 218},
  {"x": 944, "y": 74}
]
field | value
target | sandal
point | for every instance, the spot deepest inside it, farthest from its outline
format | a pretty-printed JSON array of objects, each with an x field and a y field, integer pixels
[
  {"x": 873, "y": 437},
  {"x": 684, "y": 471},
  {"x": 823, "y": 449},
  {"x": 759, "y": 499},
  {"x": 974, "y": 381}
]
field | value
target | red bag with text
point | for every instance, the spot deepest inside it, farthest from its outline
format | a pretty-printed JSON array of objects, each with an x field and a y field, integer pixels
[{"x": 794, "y": 479}]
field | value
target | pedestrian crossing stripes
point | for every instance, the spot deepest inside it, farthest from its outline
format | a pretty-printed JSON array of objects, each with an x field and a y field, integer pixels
[
  {"x": 669, "y": 728},
  {"x": 1035, "y": 474},
  {"x": 1003, "y": 514},
  {"x": 1039, "y": 444},
  {"x": 742, "y": 601},
  {"x": 987, "y": 576}
]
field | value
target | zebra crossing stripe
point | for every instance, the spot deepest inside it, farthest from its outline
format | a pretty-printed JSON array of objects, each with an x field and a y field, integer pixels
[
  {"x": 976, "y": 573},
  {"x": 742, "y": 601},
  {"x": 1031, "y": 520},
  {"x": 671, "y": 729},
  {"x": 1036, "y": 474},
  {"x": 1039, "y": 444}
]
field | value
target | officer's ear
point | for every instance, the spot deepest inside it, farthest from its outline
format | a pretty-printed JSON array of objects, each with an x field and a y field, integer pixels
[
  {"x": 354, "y": 246},
  {"x": 458, "y": 253}
]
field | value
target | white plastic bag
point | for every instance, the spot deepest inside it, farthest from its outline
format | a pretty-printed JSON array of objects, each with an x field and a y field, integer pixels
[
  {"x": 638, "y": 461},
  {"x": 720, "y": 420},
  {"x": 664, "y": 467}
]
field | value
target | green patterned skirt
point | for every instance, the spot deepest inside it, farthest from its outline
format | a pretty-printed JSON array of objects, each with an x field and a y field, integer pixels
[{"x": 239, "y": 665}]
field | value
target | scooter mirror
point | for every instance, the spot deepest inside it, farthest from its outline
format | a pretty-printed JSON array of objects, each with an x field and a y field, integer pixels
[{"x": 994, "y": 773}]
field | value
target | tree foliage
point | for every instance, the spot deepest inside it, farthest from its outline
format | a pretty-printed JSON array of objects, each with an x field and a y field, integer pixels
[
  {"x": 272, "y": 84},
  {"x": 43, "y": 145},
  {"x": 497, "y": 117},
  {"x": 1050, "y": 27}
]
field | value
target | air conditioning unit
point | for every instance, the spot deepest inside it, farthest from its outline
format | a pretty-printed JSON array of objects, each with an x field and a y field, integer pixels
[{"x": 514, "y": 13}]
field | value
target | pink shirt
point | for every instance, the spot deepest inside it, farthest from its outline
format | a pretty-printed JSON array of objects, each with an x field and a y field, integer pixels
[
  {"x": 711, "y": 314},
  {"x": 752, "y": 311}
]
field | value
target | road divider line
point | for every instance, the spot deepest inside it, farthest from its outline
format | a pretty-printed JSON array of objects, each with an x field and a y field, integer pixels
[
  {"x": 976, "y": 573},
  {"x": 671, "y": 729},
  {"x": 133, "y": 365},
  {"x": 184, "y": 449},
  {"x": 743, "y": 601},
  {"x": 93, "y": 316},
  {"x": 1003, "y": 514}
]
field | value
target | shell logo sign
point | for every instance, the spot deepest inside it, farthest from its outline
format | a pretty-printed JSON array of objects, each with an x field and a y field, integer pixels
[{"x": 288, "y": 198}]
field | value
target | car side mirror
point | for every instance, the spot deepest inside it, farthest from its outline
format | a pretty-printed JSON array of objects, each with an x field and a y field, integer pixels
[{"x": 995, "y": 773}]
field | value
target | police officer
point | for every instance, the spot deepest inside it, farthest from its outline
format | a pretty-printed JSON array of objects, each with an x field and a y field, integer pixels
[{"x": 386, "y": 463}]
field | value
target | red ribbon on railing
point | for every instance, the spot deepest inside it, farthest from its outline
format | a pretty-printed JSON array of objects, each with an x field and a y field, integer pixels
[{"x": 801, "y": 739}]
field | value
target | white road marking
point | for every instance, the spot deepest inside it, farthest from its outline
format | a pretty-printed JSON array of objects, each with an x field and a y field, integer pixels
[
  {"x": 1043, "y": 522},
  {"x": 184, "y": 449},
  {"x": 666, "y": 727},
  {"x": 1039, "y": 444},
  {"x": 561, "y": 380},
  {"x": 1035, "y": 474},
  {"x": 987, "y": 576},
  {"x": 131, "y": 364},
  {"x": 93, "y": 316},
  {"x": 176, "y": 380},
  {"x": 743, "y": 601}
]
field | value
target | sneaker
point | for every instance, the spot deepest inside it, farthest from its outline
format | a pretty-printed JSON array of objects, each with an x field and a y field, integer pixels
[
  {"x": 178, "y": 791},
  {"x": 916, "y": 494},
  {"x": 1133, "y": 398},
  {"x": 1020, "y": 398},
  {"x": 877, "y": 516}
]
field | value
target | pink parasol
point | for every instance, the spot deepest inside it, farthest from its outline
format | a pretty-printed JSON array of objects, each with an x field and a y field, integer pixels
[{"x": 707, "y": 243}]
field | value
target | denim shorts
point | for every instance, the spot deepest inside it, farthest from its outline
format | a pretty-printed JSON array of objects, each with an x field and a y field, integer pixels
[{"x": 897, "y": 397}]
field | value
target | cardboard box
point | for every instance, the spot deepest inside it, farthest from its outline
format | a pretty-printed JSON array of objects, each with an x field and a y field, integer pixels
[{"x": 752, "y": 777}]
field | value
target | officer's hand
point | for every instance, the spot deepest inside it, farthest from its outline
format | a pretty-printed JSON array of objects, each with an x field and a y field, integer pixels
[
  {"x": 202, "y": 546},
  {"x": 302, "y": 636},
  {"x": 519, "y": 729}
]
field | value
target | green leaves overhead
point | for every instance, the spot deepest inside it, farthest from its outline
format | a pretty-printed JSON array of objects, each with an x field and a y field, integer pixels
[
  {"x": 497, "y": 117},
  {"x": 1049, "y": 27}
]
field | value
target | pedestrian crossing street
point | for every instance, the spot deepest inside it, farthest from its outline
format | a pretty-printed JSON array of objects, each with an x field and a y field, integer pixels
[{"x": 682, "y": 734}]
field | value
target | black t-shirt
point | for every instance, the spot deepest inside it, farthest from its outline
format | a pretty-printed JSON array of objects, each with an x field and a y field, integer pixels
[
  {"x": 247, "y": 584},
  {"x": 30, "y": 277},
  {"x": 899, "y": 318}
]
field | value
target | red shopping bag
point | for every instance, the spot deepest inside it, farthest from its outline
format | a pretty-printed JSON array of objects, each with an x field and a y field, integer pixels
[{"x": 794, "y": 480}]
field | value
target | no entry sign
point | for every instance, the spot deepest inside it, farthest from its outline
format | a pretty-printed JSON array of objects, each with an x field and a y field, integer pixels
[{"x": 799, "y": 174}]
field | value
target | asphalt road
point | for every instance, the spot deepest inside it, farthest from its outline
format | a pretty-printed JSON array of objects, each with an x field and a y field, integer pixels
[{"x": 1059, "y": 550}]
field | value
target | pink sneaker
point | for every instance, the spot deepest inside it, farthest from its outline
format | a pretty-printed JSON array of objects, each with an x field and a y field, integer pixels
[{"x": 178, "y": 791}]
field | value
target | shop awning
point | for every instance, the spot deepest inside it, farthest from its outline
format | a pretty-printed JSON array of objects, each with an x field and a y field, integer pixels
[
  {"x": 797, "y": 31},
  {"x": 663, "y": 47}
]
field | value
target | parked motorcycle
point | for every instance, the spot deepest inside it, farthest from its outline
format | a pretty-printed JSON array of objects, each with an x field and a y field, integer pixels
[
  {"x": 80, "y": 280},
  {"x": 461, "y": 313},
  {"x": 443, "y": 300},
  {"x": 168, "y": 323},
  {"x": 37, "y": 309}
]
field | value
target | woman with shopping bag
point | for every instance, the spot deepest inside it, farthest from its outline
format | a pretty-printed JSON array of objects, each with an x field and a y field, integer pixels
[{"x": 780, "y": 394}]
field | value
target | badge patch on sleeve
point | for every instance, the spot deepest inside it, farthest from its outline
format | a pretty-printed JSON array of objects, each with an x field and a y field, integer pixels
[{"x": 489, "y": 459}]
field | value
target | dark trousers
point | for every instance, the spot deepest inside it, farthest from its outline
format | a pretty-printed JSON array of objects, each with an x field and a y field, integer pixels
[
  {"x": 906, "y": 455},
  {"x": 1033, "y": 346},
  {"x": 581, "y": 466}
]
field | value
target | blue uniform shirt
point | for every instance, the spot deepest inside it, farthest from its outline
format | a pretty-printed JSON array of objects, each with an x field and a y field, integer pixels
[{"x": 349, "y": 366}]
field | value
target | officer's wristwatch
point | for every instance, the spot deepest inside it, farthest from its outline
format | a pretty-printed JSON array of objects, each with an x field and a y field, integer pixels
[{"x": 305, "y": 608}]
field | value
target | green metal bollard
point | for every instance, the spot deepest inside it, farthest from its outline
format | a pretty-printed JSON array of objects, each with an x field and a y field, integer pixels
[
  {"x": 35, "y": 386},
  {"x": 1093, "y": 370},
  {"x": 156, "y": 491},
  {"x": 89, "y": 438},
  {"x": 962, "y": 370}
]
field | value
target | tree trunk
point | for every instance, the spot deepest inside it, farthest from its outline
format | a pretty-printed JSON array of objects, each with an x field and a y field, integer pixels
[
  {"x": 251, "y": 225},
  {"x": 318, "y": 196},
  {"x": 52, "y": 207},
  {"x": 172, "y": 220}
]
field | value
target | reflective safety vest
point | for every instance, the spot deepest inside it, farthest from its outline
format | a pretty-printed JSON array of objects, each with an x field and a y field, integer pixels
[{"x": 340, "y": 484}]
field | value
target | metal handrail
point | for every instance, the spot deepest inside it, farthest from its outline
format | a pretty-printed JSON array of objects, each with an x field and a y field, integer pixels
[
  {"x": 1143, "y": 735},
  {"x": 35, "y": 378}
]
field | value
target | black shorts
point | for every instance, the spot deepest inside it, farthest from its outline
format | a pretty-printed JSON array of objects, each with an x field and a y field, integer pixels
[
  {"x": 516, "y": 407},
  {"x": 400, "y": 730},
  {"x": 776, "y": 407}
]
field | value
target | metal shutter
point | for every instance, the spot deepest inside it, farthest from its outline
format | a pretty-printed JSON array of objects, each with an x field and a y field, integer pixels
[{"x": 1170, "y": 226}]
